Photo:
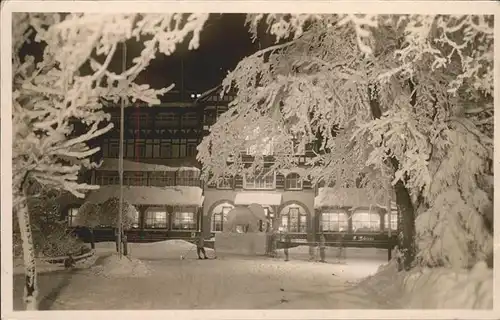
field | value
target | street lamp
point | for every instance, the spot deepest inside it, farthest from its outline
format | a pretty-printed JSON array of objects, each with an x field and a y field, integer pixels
[{"x": 119, "y": 223}]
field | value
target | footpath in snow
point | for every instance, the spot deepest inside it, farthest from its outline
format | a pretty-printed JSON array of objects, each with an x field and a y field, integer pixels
[{"x": 155, "y": 277}]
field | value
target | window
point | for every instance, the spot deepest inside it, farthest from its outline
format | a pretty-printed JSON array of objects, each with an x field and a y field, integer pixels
[
  {"x": 156, "y": 218},
  {"x": 189, "y": 119},
  {"x": 138, "y": 118},
  {"x": 188, "y": 178},
  {"x": 149, "y": 149},
  {"x": 162, "y": 179},
  {"x": 183, "y": 219},
  {"x": 365, "y": 221},
  {"x": 225, "y": 183},
  {"x": 294, "y": 219},
  {"x": 135, "y": 178},
  {"x": 104, "y": 178},
  {"x": 262, "y": 181},
  {"x": 73, "y": 217},
  {"x": 140, "y": 148},
  {"x": 394, "y": 221},
  {"x": 130, "y": 150},
  {"x": 221, "y": 110},
  {"x": 334, "y": 222},
  {"x": 182, "y": 147},
  {"x": 135, "y": 219},
  {"x": 165, "y": 149},
  {"x": 209, "y": 117},
  {"x": 166, "y": 119},
  {"x": 191, "y": 150},
  {"x": 114, "y": 148},
  {"x": 115, "y": 118},
  {"x": 293, "y": 182},
  {"x": 219, "y": 216}
]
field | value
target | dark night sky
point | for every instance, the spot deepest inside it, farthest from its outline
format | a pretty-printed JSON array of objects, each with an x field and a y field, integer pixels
[{"x": 225, "y": 40}]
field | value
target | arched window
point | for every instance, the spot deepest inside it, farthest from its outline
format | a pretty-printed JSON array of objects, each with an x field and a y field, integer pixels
[
  {"x": 334, "y": 221},
  {"x": 219, "y": 216},
  {"x": 293, "y": 182},
  {"x": 294, "y": 219},
  {"x": 365, "y": 220}
]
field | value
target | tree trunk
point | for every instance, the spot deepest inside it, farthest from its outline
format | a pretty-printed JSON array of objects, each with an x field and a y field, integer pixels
[
  {"x": 403, "y": 198},
  {"x": 118, "y": 244},
  {"x": 92, "y": 238},
  {"x": 30, "y": 288},
  {"x": 405, "y": 207},
  {"x": 125, "y": 244}
]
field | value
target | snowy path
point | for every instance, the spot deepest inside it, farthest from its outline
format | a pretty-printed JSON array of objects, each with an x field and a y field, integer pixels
[{"x": 226, "y": 283}]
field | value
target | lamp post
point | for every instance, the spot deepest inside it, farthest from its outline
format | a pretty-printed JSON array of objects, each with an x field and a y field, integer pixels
[{"x": 120, "y": 158}]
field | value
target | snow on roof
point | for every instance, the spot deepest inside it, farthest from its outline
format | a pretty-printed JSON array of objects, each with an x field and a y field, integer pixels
[
  {"x": 178, "y": 195},
  {"x": 262, "y": 198},
  {"x": 342, "y": 197},
  {"x": 112, "y": 164}
]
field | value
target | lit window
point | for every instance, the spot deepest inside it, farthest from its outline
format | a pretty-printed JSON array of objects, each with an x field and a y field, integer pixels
[
  {"x": 294, "y": 219},
  {"x": 293, "y": 182},
  {"x": 365, "y": 221},
  {"x": 394, "y": 221},
  {"x": 156, "y": 218},
  {"x": 334, "y": 222},
  {"x": 219, "y": 216},
  {"x": 73, "y": 217},
  {"x": 183, "y": 219}
]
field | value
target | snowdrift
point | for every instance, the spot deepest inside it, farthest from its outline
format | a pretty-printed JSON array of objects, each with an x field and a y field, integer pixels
[
  {"x": 114, "y": 267},
  {"x": 439, "y": 288},
  {"x": 447, "y": 289}
]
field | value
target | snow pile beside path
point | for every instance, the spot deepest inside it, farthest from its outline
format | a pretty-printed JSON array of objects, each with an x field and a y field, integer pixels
[
  {"x": 386, "y": 285},
  {"x": 438, "y": 288},
  {"x": 114, "y": 267},
  {"x": 168, "y": 249},
  {"x": 448, "y": 289}
]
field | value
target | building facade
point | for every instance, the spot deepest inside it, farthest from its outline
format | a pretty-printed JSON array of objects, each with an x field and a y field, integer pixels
[{"x": 162, "y": 180}]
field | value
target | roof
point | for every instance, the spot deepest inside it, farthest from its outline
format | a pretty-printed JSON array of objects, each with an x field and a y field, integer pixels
[
  {"x": 111, "y": 164},
  {"x": 342, "y": 197},
  {"x": 142, "y": 195}
]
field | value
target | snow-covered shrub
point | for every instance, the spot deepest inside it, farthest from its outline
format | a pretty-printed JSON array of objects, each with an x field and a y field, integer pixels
[
  {"x": 88, "y": 215},
  {"x": 108, "y": 213}
]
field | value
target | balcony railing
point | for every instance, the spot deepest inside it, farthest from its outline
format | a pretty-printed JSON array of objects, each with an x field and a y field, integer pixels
[{"x": 150, "y": 179}]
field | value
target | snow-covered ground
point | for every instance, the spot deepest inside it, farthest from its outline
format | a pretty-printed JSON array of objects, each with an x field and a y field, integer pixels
[
  {"x": 165, "y": 281},
  {"x": 156, "y": 277}
]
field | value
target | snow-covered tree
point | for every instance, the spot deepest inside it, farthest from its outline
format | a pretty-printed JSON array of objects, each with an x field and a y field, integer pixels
[
  {"x": 71, "y": 83},
  {"x": 404, "y": 99}
]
